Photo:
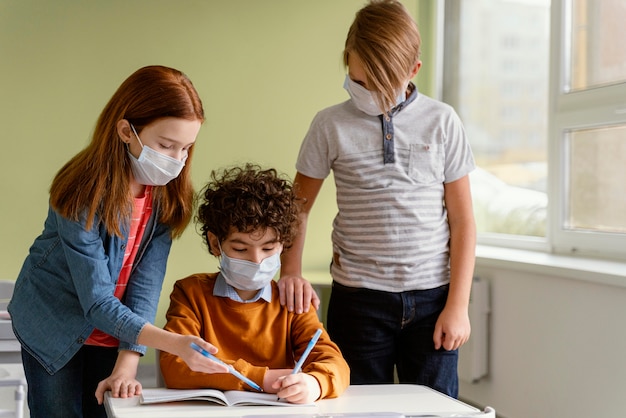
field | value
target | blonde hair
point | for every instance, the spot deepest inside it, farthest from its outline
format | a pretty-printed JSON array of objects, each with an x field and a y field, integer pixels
[{"x": 387, "y": 41}]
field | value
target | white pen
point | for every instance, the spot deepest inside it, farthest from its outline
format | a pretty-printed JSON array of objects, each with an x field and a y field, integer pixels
[
  {"x": 231, "y": 369},
  {"x": 307, "y": 351}
]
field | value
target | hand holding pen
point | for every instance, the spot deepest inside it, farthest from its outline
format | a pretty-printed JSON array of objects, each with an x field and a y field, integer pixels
[
  {"x": 298, "y": 367},
  {"x": 231, "y": 369}
]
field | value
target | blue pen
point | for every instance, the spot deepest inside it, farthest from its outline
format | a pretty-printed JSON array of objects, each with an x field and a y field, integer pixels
[
  {"x": 231, "y": 369},
  {"x": 307, "y": 351}
]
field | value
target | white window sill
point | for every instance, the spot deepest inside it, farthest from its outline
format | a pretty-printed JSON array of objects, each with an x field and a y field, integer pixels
[{"x": 577, "y": 268}]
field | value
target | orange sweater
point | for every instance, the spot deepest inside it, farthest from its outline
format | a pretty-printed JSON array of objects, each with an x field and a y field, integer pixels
[{"x": 251, "y": 336}]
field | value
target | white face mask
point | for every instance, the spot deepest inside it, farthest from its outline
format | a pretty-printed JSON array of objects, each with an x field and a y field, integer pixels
[
  {"x": 153, "y": 168},
  {"x": 364, "y": 99},
  {"x": 248, "y": 275}
]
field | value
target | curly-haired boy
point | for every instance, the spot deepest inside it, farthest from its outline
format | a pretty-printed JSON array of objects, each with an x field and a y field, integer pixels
[{"x": 247, "y": 215}]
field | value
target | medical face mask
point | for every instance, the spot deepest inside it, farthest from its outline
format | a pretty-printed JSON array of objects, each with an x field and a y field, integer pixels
[
  {"x": 364, "y": 99},
  {"x": 153, "y": 168},
  {"x": 248, "y": 275}
]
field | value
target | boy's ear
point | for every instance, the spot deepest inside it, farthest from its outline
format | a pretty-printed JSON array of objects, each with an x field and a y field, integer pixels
[
  {"x": 415, "y": 69},
  {"x": 214, "y": 247}
]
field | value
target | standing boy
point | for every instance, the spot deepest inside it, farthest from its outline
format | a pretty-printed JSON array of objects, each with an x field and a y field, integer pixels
[{"x": 404, "y": 236}]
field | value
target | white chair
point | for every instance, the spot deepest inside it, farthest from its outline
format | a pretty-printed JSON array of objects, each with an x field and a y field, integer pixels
[
  {"x": 12, "y": 375},
  {"x": 11, "y": 372},
  {"x": 160, "y": 382},
  {"x": 6, "y": 291}
]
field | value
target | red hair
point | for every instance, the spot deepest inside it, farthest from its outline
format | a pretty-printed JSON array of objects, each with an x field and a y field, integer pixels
[{"x": 96, "y": 180}]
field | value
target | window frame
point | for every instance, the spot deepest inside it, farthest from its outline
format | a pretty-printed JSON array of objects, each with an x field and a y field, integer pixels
[{"x": 572, "y": 110}]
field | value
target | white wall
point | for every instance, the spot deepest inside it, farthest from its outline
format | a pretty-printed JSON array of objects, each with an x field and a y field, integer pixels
[{"x": 556, "y": 341}]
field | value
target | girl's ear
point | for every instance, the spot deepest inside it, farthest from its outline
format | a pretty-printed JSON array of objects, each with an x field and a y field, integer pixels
[
  {"x": 124, "y": 131},
  {"x": 214, "y": 247}
]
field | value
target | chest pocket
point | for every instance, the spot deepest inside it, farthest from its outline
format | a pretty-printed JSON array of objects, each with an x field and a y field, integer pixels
[{"x": 426, "y": 163}]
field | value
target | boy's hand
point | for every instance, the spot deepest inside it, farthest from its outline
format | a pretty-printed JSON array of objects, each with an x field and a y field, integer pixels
[
  {"x": 300, "y": 388},
  {"x": 297, "y": 294},
  {"x": 452, "y": 329}
]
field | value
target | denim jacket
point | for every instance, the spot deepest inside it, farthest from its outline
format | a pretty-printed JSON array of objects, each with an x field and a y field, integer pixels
[{"x": 65, "y": 288}]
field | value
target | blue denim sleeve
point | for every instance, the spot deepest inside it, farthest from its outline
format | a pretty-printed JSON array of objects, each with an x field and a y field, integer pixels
[
  {"x": 94, "y": 260},
  {"x": 144, "y": 287}
]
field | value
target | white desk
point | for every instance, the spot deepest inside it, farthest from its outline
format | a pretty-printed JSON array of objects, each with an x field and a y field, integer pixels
[{"x": 407, "y": 399}]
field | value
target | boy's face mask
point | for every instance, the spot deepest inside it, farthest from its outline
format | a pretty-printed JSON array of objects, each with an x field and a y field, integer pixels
[
  {"x": 248, "y": 275},
  {"x": 364, "y": 99},
  {"x": 153, "y": 168}
]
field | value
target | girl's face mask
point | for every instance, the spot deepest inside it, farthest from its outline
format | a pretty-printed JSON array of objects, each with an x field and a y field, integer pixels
[{"x": 153, "y": 168}]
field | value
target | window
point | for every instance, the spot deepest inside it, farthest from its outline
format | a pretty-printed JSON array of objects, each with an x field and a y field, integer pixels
[
  {"x": 588, "y": 128},
  {"x": 496, "y": 73},
  {"x": 592, "y": 30},
  {"x": 541, "y": 88}
]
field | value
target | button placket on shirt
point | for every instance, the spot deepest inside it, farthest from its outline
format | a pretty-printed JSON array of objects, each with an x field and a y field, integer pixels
[{"x": 389, "y": 155}]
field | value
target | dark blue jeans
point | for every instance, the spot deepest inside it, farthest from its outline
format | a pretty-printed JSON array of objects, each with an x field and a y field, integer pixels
[
  {"x": 70, "y": 392},
  {"x": 378, "y": 330}
]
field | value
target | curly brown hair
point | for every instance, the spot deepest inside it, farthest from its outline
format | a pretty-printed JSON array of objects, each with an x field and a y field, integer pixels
[{"x": 248, "y": 199}]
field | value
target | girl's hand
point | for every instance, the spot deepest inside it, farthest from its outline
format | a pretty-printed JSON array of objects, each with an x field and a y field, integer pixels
[
  {"x": 120, "y": 384},
  {"x": 180, "y": 345},
  {"x": 196, "y": 361},
  {"x": 300, "y": 388}
]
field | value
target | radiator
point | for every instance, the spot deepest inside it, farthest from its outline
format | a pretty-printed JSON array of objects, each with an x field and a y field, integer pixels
[{"x": 474, "y": 354}]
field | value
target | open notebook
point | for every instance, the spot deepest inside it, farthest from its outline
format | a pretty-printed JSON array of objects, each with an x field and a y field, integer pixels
[{"x": 226, "y": 398}]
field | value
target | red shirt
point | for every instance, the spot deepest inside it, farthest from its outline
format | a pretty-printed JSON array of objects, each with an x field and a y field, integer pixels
[{"x": 142, "y": 210}]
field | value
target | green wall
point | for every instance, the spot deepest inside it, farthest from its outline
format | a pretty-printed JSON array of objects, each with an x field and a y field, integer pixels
[{"x": 262, "y": 68}]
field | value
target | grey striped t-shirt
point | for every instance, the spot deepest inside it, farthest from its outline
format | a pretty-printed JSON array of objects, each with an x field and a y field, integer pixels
[{"x": 391, "y": 232}]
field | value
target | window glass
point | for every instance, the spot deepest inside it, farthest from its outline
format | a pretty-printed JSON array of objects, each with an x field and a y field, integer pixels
[
  {"x": 496, "y": 75},
  {"x": 597, "y": 199},
  {"x": 598, "y": 49}
]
